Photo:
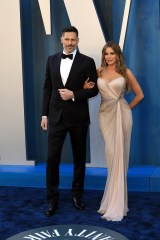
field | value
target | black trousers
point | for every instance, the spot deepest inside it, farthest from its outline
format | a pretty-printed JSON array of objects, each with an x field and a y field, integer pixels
[{"x": 56, "y": 136}]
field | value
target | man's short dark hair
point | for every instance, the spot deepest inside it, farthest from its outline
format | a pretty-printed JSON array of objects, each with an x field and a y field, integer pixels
[{"x": 70, "y": 29}]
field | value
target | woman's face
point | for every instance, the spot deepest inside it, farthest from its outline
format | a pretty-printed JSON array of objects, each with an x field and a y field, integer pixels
[{"x": 110, "y": 56}]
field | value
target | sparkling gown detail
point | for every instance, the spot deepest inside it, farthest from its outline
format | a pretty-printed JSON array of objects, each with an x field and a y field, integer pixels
[{"x": 115, "y": 121}]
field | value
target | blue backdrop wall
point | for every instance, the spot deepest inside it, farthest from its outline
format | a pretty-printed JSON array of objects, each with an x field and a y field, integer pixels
[{"x": 141, "y": 50}]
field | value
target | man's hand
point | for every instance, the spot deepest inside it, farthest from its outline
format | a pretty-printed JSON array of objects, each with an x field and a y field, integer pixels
[
  {"x": 66, "y": 94},
  {"x": 44, "y": 123}
]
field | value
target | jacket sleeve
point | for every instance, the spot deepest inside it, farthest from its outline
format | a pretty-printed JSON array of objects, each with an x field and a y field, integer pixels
[
  {"x": 83, "y": 94},
  {"x": 47, "y": 90}
]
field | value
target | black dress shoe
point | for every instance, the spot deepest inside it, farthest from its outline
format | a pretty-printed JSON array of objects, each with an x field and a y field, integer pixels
[
  {"x": 78, "y": 204},
  {"x": 52, "y": 207}
]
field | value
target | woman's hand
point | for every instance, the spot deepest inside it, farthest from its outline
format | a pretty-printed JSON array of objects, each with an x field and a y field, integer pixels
[{"x": 88, "y": 84}]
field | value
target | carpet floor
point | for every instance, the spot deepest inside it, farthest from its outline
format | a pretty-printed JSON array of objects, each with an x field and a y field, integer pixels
[{"x": 22, "y": 209}]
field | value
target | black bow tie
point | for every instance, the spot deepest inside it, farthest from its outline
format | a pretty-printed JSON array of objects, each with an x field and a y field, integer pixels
[{"x": 64, "y": 56}]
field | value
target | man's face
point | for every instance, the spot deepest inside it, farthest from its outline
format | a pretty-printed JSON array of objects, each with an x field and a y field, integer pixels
[{"x": 69, "y": 41}]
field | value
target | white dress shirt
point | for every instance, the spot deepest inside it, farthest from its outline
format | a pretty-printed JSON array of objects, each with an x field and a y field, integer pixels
[{"x": 65, "y": 67}]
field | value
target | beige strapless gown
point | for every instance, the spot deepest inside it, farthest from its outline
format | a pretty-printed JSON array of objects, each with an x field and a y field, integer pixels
[{"x": 115, "y": 121}]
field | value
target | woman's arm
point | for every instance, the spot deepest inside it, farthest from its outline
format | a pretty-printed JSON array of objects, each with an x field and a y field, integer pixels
[
  {"x": 135, "y": 88},
  {"x": 89, "y": 84}
]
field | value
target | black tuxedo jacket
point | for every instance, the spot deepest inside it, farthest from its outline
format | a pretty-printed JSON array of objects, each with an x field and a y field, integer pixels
[{"x": 74, "y": 113}]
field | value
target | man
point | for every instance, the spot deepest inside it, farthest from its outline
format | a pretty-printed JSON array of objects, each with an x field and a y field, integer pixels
[{"x": 65, "y": 109}]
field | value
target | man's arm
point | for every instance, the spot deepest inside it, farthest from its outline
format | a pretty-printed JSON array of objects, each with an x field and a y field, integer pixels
[
  {"x": 82, "y": 94},
  {"x": 47, "y": 89}
]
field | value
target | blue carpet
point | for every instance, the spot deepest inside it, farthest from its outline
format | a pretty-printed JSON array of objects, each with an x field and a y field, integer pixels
[{"x": 22, "y": 209}]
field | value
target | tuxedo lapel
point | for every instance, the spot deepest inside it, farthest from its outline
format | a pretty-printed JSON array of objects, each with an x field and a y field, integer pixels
[{"x": 57, "y": 69}]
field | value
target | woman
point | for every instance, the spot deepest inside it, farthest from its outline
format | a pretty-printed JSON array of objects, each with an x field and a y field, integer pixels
[{"x": 115, "y": 121}]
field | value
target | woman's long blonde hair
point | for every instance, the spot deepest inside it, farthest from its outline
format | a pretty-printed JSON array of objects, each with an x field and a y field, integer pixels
[{"x": 120, "y": 63}]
